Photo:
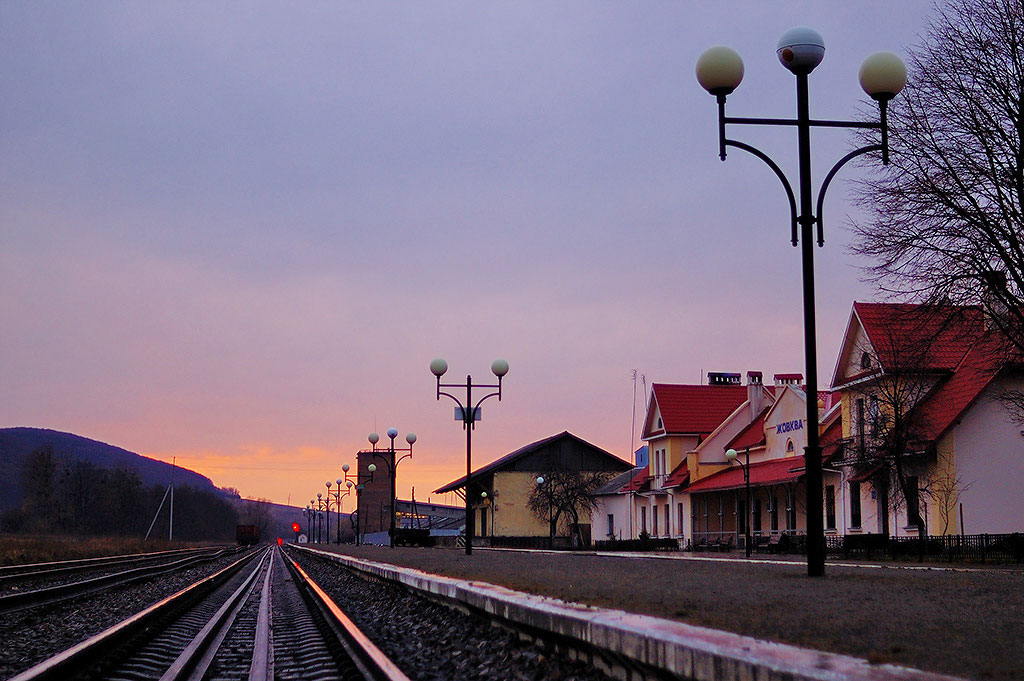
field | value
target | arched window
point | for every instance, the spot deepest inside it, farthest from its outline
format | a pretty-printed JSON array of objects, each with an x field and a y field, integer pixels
[
  {"x": 789, "y": 447},
  {"x": 865, "y": 361}
]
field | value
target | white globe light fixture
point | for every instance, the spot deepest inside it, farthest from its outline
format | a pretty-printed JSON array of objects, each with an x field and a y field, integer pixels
[
  {"x": 540, "y": 480},
  {"x": 373, "y": 438},
  {"x": 801, "y": 49},
  {"x": 719, "y": 70},
  {"x": 499, "y": 367},
  {"x": 438, "y": 367},
  {"x": 410, "y": 438},
  {"x": 731, "y": 454},
  {"x": 392, "y": 433},
  {"x": 883, "y": 75}
]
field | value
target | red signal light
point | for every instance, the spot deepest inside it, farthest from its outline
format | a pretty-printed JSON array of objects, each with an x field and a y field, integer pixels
[
  {"x": 296, "y": 527},
  {"x": 280, "y": 542}
]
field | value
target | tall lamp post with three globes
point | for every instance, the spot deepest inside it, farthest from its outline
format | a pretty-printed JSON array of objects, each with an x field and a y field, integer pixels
[
  {"x": 469, "y": 414},
  {"x": 387, "y": 456},
  {"x": 882, "y": 76}
]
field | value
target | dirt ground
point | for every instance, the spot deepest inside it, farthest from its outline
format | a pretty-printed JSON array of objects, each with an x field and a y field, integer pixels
[{"x": 967, "y": 623}]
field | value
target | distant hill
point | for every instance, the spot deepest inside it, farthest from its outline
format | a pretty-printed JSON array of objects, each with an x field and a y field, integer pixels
[{"x": 17, "y": 443}]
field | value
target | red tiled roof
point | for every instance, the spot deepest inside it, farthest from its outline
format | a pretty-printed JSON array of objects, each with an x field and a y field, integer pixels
[
  {"x": 773, "y": 472},
  {"x": 929, "y": 337},
  {"x": 639, "y": 482},
  {"x": 695, "y": 409},
  {"x": 943, "y": 408},
  {"x": 752, "y": 435},
  {"x": 677, "y": 478}
]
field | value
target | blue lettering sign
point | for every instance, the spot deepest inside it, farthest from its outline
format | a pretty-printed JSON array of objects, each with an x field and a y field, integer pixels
[{"x": 789, "y": 426}]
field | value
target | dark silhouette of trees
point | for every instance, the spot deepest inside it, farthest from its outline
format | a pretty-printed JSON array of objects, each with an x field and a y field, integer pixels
[{"x": 64, "y": 496}]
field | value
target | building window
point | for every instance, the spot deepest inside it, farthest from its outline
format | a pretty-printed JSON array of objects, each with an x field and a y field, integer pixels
[
  {"x": 865, "y": 361},
  {"x": 860, "y": 424},
  {"x": 790, "y": 511},
  {"x": 659, "y": 423},
  {"x": 855, "y": 504},
  {"x": 741, "y": 516},
  {"x": 611, "y": 525},
  {"x": 654, "y": 521},
  {"x": 872, "y": 415},
  {"x": 643, "y": 520},
  {"x": 789, "y": 447},
  {"x": 913, "y": 501},
  {"x": 679, "y": 530},
  {"x": 830, "y": 507},
  {"x": 773, "y": 512},
  {"x": 668, "y": 520},
  {"x": 755, "y": 514},
  {"x": 483, "y": 522}
]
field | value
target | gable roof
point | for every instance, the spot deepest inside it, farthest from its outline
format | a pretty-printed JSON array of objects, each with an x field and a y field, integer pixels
[
  {"x": 944, "y": 407},
  {"x": 752, "y": 435},
  {"x": 928, "y": 338},
  {"x": 504, "y": 462},
  {"x": 692, "y": 409},
  {"x": 678, "y": 477}
]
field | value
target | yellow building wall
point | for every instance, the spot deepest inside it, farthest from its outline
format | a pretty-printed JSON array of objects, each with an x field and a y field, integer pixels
[
  {"x": 942, "y": 499},
  {"x": 510, "y": 510}
]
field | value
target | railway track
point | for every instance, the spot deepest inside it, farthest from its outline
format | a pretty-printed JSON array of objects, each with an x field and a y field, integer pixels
[
  {"x": 259, "y": 618},
  {"x": 51, "y": 585}
]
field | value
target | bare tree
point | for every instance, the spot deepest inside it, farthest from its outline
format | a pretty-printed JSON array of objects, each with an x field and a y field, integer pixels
[
  {"x": 566, "y": 493},
  {"x": 946, "y": 218}
]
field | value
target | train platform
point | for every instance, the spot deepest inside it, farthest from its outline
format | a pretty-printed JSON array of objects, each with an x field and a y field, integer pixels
[{"x": 965, "y": 622}]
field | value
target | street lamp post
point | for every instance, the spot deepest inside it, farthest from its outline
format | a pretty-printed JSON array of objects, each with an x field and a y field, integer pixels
[
  {"x": 338, "y": 496},
  {"x": 882, "y": 76},
  {"x": 309, "y": 522},
  {"x": 360, "y": 479},
  {"x": 731, "y": 456},
  {"x": 320, "y": 518},
  {"x": 551, "y": 503},
  {"x": 388, "y": 458},
  {"x": 470, "y": 414}
]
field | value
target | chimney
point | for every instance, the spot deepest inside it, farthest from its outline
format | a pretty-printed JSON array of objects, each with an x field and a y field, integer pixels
[
  {"x": 994, "y": 297},
  {"x": 723, "y": 378},
  {"x": 755, "y": 393},
  {"x": 782, "y": 380}
]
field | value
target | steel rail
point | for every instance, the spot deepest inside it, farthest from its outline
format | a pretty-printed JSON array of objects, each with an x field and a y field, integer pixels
[
  {"x": 68, "y": 663},
  {"x": 194, "y": 661},
  {"x": 54, "y": 594},
  {"x": 371, "y": 662},
  {"x": 12, "y": 569},
  {"x": 71, "y": 567},
  {"x": 262, "y": 668}
]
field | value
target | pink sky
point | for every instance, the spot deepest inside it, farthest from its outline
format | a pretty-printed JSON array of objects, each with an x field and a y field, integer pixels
[{"x": 239, "y": 240}]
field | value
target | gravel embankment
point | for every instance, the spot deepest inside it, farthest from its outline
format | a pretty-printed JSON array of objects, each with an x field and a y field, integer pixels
[
  {"x": 431, "y": 642},
  {"x": 29, "y": 636},
  {"x": 965, "y": 623}
]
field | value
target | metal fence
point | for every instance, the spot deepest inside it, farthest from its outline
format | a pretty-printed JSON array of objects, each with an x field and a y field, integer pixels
[{"x": 978, "y": 548}]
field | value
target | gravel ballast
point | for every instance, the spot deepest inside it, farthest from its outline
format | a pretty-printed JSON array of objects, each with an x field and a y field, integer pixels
[
  {"x": 432, "y": 642},
  {"x": 965, "y": 623},
  {"x": 30, "y": 636}
]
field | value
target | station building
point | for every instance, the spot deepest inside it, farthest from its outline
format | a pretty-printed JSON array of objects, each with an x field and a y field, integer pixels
[
  {"x": 499, "y": 492},
  {"x": 942, "y": 370}
]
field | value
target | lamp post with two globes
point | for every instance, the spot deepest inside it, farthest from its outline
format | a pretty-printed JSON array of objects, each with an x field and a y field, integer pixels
[
  {"x": 882, "y": 76},
  {"x": 360, "y": 479},
  {"x": 469, "y": 414},
  {"x": 337, "y": 496}
]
